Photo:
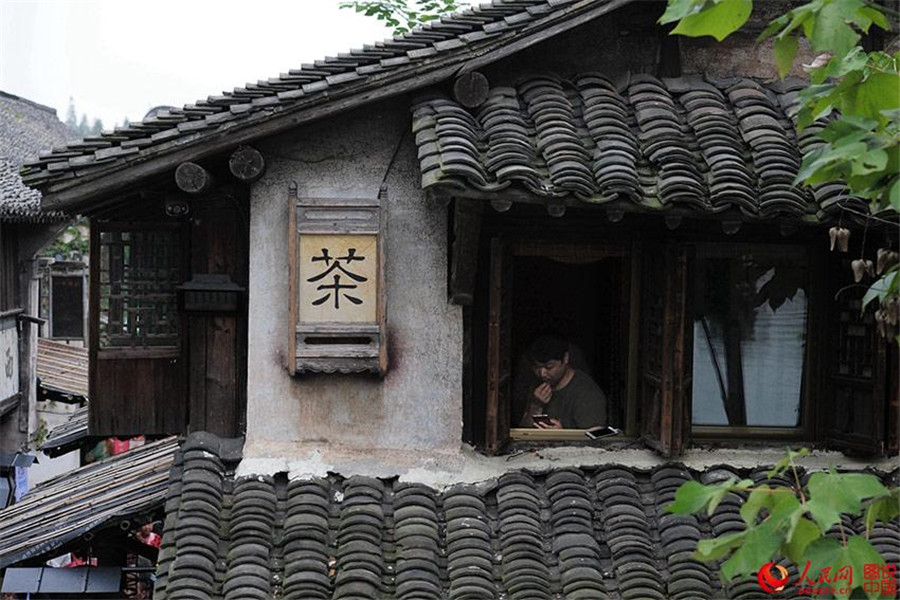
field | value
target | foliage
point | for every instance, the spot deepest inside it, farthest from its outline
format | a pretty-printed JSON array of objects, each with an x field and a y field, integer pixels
[
  {"x": 404, "y": 15},
  {"x": 792, "y": 521},
  {"x": 72, "y": 243},
  {"x": 858, "y": 91}
]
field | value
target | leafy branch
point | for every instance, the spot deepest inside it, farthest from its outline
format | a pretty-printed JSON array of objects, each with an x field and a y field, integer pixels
[
  {"x": 852, "y": 99},
  {"x": 793, "y": 522},
  {"x": 403, "y": 15}
]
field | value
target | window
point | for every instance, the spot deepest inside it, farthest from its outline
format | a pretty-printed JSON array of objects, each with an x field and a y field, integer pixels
[
  {"x": 750, "y": 340},
  {"x": 691, "y": 341},
  {"x": 139, "y": 272}
]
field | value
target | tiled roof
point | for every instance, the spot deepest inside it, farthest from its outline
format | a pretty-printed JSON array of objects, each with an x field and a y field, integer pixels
[
  {"x": 703, "y": 144},
  {"x": 424, "y": 56},
  {"x": 63, "y": 437},
  {"x": 62, "y": 367},
  {"x": 58, "y": 511},
  {"x": 26, "y": 128},
  {"x": 592, "y": 533}
]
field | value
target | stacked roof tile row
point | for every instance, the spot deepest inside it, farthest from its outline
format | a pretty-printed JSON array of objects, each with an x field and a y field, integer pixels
[
  {"x": 592, "y": 533},
  {"x": 703, "y": 144},
  {"x": 450, "y": 38}
]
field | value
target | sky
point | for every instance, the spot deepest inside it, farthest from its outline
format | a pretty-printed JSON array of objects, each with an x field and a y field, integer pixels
[{"x": 120, "y": 58}]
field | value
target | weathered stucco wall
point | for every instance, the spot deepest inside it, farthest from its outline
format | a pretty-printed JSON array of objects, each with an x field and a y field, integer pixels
[{"x": 418, "y": 405}]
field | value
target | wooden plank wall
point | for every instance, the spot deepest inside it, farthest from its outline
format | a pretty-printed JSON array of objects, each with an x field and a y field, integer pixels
[{"x": 218, "y": 342}]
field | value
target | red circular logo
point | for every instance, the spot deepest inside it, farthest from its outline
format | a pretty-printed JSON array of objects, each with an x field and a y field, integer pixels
[{"x": 772, "y": 582}]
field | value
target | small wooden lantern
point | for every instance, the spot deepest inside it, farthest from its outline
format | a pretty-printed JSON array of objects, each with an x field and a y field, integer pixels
[{"x": 337, "y": 286}]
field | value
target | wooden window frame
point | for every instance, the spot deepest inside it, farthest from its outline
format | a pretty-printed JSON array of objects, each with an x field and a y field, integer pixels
[
  {"x": 570, "y": 252},
  {"x": 113, "y": 353},
  {"x": 806, "y": 431}
]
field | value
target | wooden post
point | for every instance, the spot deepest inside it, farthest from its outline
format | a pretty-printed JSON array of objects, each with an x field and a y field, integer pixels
[
  {"x": 471, "y": 89},
  {"x": 464, "y": 265},
  {"x": 247, "y": 164},
  {"x": 192, "y": 178}
]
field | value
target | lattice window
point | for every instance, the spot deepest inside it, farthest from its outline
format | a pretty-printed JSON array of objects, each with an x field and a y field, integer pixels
[{"x": 138, "y": 274}]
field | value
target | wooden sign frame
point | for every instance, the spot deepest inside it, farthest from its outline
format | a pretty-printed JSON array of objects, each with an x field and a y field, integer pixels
[{"x": 328, "y": 346}]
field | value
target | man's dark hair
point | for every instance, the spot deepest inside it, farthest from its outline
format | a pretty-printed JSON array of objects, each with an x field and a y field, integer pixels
[{"x": 547, "y": 347}]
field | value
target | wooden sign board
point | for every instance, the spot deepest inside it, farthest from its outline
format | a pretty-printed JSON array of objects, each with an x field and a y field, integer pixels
[
  {"x": 9, "y": 357},
  {"x": 337, "y": 286}
]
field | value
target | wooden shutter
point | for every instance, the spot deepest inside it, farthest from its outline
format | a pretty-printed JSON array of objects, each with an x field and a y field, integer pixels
[
  {"x": 499, "y": 347},
  {"x": 856, "y": 373},
  {"x": 666, "y": 348},
  {"x": 138, "y": 375}
]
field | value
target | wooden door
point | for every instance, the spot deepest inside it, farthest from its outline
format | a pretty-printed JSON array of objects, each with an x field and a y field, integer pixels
[
  {"x": 137, "y": 351},
  {"x": 856, "y": 374}
]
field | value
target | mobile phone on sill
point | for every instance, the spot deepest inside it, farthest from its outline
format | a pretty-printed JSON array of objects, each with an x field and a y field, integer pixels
[{"x": 595, "y": 433}]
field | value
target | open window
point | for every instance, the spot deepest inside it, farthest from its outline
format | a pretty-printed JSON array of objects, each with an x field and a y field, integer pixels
[
  {"x": 581, "y": 292},
  {"x": 137, "y": 381}
]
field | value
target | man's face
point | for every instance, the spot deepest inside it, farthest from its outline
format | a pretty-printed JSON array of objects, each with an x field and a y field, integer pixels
[{"x": 551, "y": 371}]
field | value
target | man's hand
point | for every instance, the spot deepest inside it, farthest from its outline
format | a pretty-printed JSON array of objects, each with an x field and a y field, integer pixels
[
  {"x": 543, "y": 392},
  {"x": 553, "y": 424}
]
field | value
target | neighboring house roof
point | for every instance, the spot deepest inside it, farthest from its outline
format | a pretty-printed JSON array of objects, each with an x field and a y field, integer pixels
[
  {"x": 414, "y": 60},
  {"x": 706, "y": 145},
  {"x": 61, "y": 509},
  {"x": 596, "y": 532},
  {"x": 26, "y": 129},
  {"x": 62, "y": 438},
  {"x": 62, "y": 368}
]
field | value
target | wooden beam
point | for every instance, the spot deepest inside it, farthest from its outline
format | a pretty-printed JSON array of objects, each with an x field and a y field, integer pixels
[
  {"x": 247, "y": 164},
  {"x": 192, "y": 178},
  {"x": 464, "y": 262}
]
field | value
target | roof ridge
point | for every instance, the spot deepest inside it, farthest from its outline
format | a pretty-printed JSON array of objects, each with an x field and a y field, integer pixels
[
  {"x": 31, "y": 103},
  {"x": 392, "y": 59}
]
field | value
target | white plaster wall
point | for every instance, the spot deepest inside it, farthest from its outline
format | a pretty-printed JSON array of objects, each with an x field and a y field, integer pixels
[{"x": 417, "y": 407}]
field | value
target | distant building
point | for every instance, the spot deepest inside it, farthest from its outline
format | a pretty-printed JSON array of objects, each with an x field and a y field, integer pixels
[{"x": 26, "y": 130}]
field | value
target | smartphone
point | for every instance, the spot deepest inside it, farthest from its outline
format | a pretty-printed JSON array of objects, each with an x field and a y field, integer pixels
[
  {"x": 595, "y": 433},
  {"x": 541, "y": 418}
]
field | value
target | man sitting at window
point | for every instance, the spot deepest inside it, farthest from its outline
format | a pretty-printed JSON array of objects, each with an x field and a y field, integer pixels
[{"x": 568, "y": 396}]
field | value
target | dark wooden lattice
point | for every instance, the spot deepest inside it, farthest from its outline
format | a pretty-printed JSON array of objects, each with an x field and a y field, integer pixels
[{"x": 138, "y": 274}]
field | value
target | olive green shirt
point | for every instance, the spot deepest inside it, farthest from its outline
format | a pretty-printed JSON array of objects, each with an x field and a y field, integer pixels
[{"x": 579, "y": 405}]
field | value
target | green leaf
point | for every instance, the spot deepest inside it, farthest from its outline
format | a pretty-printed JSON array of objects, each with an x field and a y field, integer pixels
[
  {"x": 804, "y": 533},
  {"x": 782, "y": 465},
  {"x": 693, "y": 496},
  {"x": 884, "y": 509},
  {"x": 894, "y": 195},
  {"x": 715, "y": 548},
  {"x": 831, "y": 30},
  {"x": 785, "y": 51},
  {"x": 830, "y": 553},
  {"x": 718, "y": 20},
  {"x": 880, "y": 288},
  {"x": 873, "y": 15},
  {"x": 758, "y": 547},
  {"x": 878, "y": 93},
  {"x": 870, "y": 162},
  {"x": 677, "y": 10},
  {"x": 831, "y": 494}
]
